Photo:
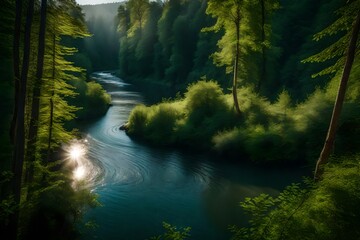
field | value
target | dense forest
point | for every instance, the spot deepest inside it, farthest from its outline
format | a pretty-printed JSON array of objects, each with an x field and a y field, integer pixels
[
  {"x": 42, "y": 91},
  {"x": 281, "y": 81},
  {"x": 283, "y": 62},
  {"x": 271, "y": 83}
]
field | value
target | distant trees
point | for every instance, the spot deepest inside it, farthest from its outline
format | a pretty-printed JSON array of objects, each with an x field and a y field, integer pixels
[
  {"x": 166, "y": 45},
  {"x": 101, "y": 50},
  {"x": 138, "y": 15},
  {"x": 181, "y": 51}
]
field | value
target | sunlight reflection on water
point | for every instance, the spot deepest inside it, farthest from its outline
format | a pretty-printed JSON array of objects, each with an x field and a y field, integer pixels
[{"x": 84, "y": 172}]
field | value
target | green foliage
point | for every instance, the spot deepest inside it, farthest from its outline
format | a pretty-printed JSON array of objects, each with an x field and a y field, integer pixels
[
  {"x": 325, "y": 210},
  {"x": 139, "y": 9},
  {"x": 7, "y": 208},
  {"x": 138, "y": 120},
  {"x": 178, "y": 121},
  {"x": 92, "y": 100},
  {"x": 172, "y": 233},
  {"x": 97, "y": 95},
  {"x": 204, "y": 99},
  {"x": 252, "y": 20},
  {"x": 285, "y": 133},
  {"x": 56, "y": 202},
  {"x": 341, "y": 28},
  {"x": 165, "y": 48},
  {"x": 161, "y": 122}
]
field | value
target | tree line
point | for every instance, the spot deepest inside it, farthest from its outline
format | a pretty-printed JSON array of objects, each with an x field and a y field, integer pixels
[
  {"x": 179, "y": 42},
  {"x": 274, "y": 131},
  {"x": 40, "y": 85}
]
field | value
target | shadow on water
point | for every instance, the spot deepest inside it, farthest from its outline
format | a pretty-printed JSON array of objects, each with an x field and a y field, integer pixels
[{"x": 141, "y": 186}]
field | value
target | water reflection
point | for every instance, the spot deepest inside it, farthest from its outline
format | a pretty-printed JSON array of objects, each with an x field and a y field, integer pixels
[
  {"x": 142, "y": 186},
  {"x": 83, "y": 170}
]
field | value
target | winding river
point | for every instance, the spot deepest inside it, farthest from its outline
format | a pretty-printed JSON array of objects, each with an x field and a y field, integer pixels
[{"x": 139, "y": 186}]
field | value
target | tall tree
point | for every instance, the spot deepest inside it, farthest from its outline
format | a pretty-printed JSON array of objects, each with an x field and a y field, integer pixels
[
  {"x": 229, "y": 16},
  {"x": 139, "y": 9},
  {"x": 33, "y": 128},
  {"x": 19, "y": 150},
  {"x": 16, "y": 65},
  {"x": 171, "y": 10},
  {"x": 267, "y": 7},
  {"x": 63, "y": 21},
  {"x": 349, "y": 15},
  {"x": 123, "y": 20}
]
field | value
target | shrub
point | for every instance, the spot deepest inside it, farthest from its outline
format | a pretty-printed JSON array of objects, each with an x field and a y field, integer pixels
[
  {"x": 161, "y": 123},
  {"x": 138, "y": 120},
  {"x": 204, "y": 99},
  {"x": 325, "y": 210},
  {"x": 92, "y": 99}
]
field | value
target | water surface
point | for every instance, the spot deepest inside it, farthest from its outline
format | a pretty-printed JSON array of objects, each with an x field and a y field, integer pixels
[{"x": 140, "y": 186}]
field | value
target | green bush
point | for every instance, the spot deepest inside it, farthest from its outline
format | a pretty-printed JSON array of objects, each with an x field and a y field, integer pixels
[
  {"x": 92, "y": 98},
  {"x": 138, "y": 120},
  {"x": 264, "y": 132},
  {"x": 324, "y": 210},
  {"x": 161, "y": 123},
  {"x": 97, "y": 96},
  {"x": 204, "y": 99}
]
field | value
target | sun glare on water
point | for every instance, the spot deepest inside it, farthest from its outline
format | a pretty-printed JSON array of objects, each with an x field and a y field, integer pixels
[
  {"x": 76, "y": 152},
  {"x": 79, "y": 173},
  {"x": 76, "y": 156}
]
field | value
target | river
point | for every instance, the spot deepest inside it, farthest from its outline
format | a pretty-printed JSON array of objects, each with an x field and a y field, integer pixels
[{"x": 141, "y": 186}]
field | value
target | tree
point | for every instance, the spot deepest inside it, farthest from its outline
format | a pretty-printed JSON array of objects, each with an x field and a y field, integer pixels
[
  {"x": 171, "y": 10},
  {"x": 123, "y": 19},
  {"x": 63, "y": 21},
  {"x": 33, "y": 127},
  {"x": 267, "y": 7},
  {"x": 19, "y": 131},
  {"x": 348, "y": 16},
  {"x": 144, "y": 51},
  {"x": 16, "y": 65},
  {"x": 139, "y": 9},
  {"x": 229, "y": 16},
  {"x": 330, "y": 138}
]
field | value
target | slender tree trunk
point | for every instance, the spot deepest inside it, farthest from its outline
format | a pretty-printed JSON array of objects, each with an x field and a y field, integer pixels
[
  {"x": 33, "y": 129},
  {"x": 52, "y": 96},
  {"x": 16, "y": 66},
  {"x": 330, "y": 138},
  {"x": 19, "y": 150},
  {"x": 236, "y": 68},
  {"x": 263, "y": 49}
]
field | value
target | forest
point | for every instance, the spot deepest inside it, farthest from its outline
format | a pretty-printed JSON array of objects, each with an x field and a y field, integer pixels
[{"x": 99, "y": 103}]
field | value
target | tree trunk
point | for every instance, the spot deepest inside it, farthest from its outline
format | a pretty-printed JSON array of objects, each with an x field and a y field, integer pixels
[
  {"x": 330, "y": 138},
  {"x": 33, "y": 129},
  {"x": 263, "y": 49},
  {"x": 16, "y": 66},
  {"x": 236, "y": 68},
  {"x": 19, "y": 150},
  {"x": 51, "y": 97}
]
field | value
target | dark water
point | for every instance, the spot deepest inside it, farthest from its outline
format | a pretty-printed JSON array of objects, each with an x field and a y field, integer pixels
[{"x": 140, "y": 187}]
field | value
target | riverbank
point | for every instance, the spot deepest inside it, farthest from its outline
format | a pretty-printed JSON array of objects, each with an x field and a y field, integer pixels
[
  {"x": 140, "y": 186},
  {"x": 265, "y": 132}
]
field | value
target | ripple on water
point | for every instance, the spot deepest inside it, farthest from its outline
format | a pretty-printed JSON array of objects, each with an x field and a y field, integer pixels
[{"x": 119, "y": 167}]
